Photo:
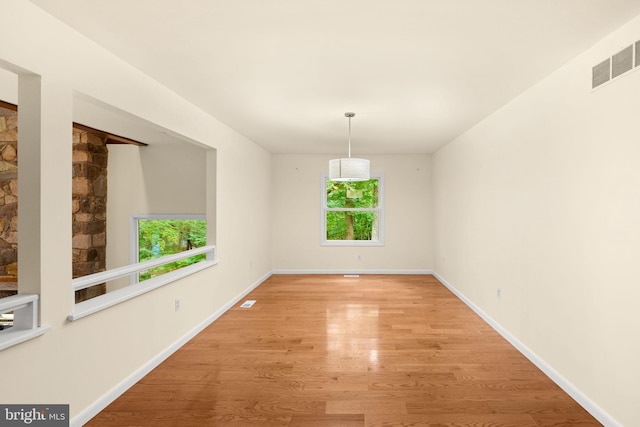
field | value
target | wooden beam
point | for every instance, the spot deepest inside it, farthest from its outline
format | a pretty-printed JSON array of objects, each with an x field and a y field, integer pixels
[
  {"x": 111, "y": 138},
  {"x": 8, "y": 106}
]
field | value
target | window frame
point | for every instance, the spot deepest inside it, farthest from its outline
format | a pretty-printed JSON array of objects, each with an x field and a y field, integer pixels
[
  {"x": 134, "y": 221},
  {"x": 351, "y": 243}
]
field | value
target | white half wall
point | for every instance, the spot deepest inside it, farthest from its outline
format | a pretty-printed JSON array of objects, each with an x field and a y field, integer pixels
[
  {"x": 297, "y": 216},
  {"x": 541, "y": 201}
]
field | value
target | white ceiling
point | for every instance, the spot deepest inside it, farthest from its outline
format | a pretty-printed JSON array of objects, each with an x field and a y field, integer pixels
[{"x": 417, "y": 73}]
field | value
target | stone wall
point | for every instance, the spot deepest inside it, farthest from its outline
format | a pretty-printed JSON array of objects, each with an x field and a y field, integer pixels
[
  {"x": 89, "y": 205},
  {"x": 8, "y": 202},
  {"x": 90, "y": 156}
]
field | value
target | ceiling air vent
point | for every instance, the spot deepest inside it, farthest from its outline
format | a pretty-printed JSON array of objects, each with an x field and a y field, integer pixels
[
  {"x": 601, "y": 73},
  {"x": 616, "y": 65},
  {"x": 622, "y": 62}
]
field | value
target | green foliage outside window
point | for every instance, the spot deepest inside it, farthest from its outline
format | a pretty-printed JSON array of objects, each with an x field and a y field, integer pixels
[
  {"x": 343, "y": 223},
  {"x": 160, "y": 237}
]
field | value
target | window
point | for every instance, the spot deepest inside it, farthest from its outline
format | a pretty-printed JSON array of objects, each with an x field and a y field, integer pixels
[
  {"x": 352, "y": 213},
  {"x": 160, "y": 235}
]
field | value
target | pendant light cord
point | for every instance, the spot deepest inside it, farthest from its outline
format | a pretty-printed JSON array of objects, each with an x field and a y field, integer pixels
[{"x": 349, "y": 137}]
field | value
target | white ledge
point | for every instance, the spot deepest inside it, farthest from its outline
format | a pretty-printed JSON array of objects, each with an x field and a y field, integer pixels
[
  {"x": 109, "y": 299},
  {"x": 9, "y": 337},
  {"x": 16, "y": 302},
  {"x": 116, "y": 273}
]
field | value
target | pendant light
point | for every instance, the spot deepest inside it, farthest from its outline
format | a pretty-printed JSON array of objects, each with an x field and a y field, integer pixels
[{"x": 349, "y": 169}]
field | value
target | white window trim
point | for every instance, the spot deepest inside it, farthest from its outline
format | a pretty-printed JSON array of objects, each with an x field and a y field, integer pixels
[
  {"x": 351, "y": 243},
  {"x": 133, "y": 233}
]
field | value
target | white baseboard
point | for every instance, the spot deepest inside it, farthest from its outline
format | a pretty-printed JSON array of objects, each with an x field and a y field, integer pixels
[
  {"x": 352, "y": 272},
  {"x": 590, "y": 406},
  {"x": 97, "y": 406}
]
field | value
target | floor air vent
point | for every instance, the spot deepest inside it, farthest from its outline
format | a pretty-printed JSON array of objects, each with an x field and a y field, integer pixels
[
  {"x": 353, "y": 276},
  {"x": 248, "y": 303}
]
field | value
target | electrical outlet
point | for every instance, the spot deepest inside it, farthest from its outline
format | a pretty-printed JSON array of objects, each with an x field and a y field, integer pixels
[
  {"x": 359, "y": 257},
  {"x": 177, "y": 305},
  {"x": 499, "y": 293}
]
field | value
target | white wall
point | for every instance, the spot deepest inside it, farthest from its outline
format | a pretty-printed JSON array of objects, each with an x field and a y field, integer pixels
[
  {"x": 296, "y": 217},
  {"x": 125, "y": 196},
  {"x": 81, "y": 362},
  {"x": 156, "y": 179},
  {"x": 542, "y": 200},
  {"x": 8, "y": 86}
]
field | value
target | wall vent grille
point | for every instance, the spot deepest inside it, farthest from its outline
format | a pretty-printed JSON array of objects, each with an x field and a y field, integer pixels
[
  {"x": 622, "y": 62},
  {"x": 601, "y": 73},
  {"x": 616, "y": 65}
]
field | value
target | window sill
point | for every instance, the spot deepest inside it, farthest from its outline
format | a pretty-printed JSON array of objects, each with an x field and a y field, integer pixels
[
  {"x": 352, "y": 243},
  {"x": 109, "y": 299}
]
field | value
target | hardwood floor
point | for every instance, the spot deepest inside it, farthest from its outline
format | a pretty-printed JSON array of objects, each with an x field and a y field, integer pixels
[{"x": 333, "y": 351}]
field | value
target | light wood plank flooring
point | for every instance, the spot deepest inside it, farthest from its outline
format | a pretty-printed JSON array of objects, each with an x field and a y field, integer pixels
[{"x": 333, "y": 351}]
